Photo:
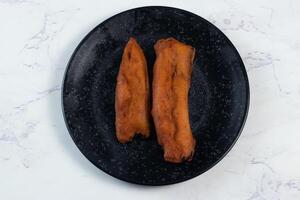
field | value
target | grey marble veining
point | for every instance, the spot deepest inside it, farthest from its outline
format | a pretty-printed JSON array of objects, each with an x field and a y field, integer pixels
[{"x": 38, "y": 158}]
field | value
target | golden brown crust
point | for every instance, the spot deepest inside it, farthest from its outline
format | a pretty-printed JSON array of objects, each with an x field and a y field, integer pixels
[
  {"x": 132, "y": 94},
  {"x": 171, "y": 82}
]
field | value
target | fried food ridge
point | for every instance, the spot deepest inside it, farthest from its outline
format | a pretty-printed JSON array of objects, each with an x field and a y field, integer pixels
[
  {"x": 171, "y": 83},
  {"x": 132, "y": 94}
]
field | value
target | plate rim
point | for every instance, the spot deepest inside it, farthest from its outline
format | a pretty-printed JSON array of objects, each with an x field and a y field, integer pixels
[{"x": 246, "y": 111}]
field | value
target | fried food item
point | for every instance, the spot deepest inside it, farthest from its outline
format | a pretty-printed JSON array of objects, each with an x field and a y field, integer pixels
[
  {"x": 132, "y": 94},
  {"x": 171, "y": 83}
]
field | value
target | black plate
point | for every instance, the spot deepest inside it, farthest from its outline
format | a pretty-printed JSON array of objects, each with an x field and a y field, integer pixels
[{"x": 218, "y": 98}]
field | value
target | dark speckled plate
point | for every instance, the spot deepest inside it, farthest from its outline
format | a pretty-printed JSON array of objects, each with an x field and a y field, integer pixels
[{"x": 218, "y": 98}]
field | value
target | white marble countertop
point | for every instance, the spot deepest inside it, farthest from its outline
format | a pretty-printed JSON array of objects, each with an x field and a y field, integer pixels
[{"x": 38, "y": 159}]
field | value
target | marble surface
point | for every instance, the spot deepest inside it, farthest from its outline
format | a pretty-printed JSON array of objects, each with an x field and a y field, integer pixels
[{"x": 38, "y": 159}]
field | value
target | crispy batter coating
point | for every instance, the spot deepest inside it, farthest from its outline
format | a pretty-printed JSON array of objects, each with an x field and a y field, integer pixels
[
  {"x": 171, "y": 83},
  {"x": 132, "y": 94}
]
